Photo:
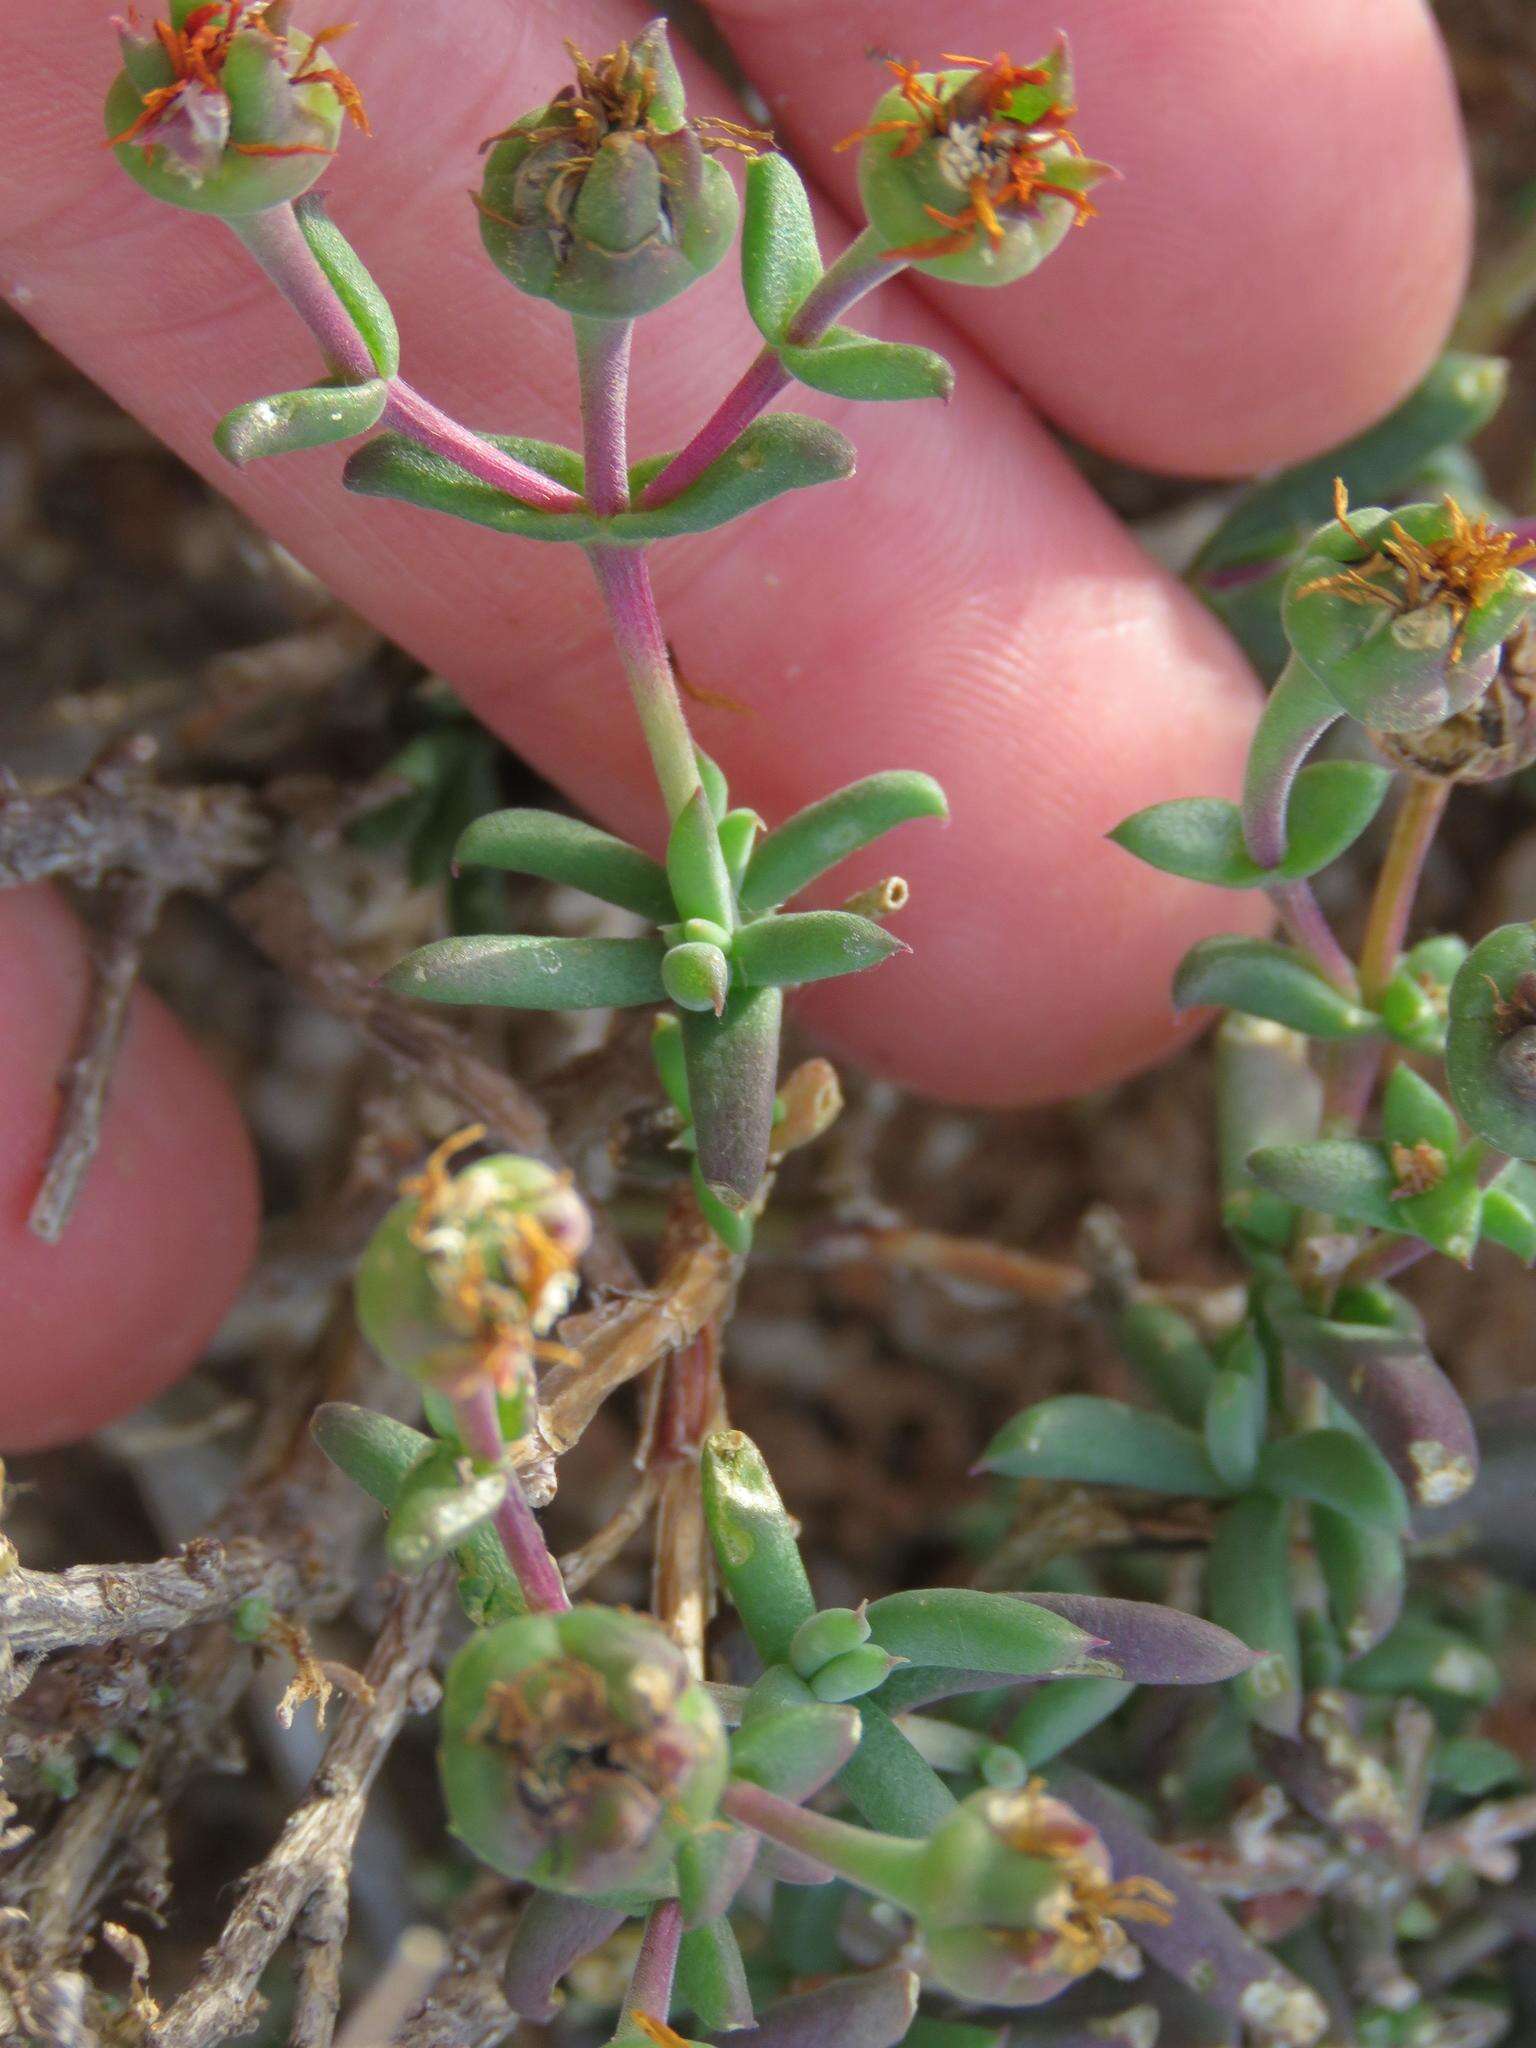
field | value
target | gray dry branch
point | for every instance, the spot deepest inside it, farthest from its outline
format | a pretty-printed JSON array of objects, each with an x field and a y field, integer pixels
[{"x": 301, "y": 1887}]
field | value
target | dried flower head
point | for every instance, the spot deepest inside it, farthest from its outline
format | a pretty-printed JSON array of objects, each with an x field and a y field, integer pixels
[
  {"x": 1491, "y": 739},
  {"x": 225, "y": 108},
  {"x": 466, "y": 1276},
  {"x": 607, "y": 200},
  {"x": 1024, "y": 1901},
  {"x": 578, "y": 1752},
  {"x": 975, "y": 174}
]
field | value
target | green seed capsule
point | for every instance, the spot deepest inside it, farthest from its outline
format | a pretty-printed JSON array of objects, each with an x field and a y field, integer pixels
[
  {"x": 832, "y": 1633},
  {"x": 243, "y": 118}
]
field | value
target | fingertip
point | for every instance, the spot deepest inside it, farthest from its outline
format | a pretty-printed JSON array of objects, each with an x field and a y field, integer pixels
[{"x": 164, "y": 1230}]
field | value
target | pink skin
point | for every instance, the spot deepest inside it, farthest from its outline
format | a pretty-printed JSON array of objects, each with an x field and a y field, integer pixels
[{"x": 965, "y": 605}]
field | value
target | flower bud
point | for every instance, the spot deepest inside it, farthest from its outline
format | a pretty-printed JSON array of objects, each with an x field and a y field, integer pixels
[
  {"x": 225, "y": 109},
  {"x": 831, "y": 1633},
  {"x": 606, "y": 200},
  {"x": 697, "y": 976},
  {"x": 973, "y": 175},
  {"x": 1491, "y": 739},
  {"x": 1401, "y": 615},
  {"x": 578, "y": 1753},
  {"x": 470, "y": 1271},
  {"x": 1018, "y": 1900}
]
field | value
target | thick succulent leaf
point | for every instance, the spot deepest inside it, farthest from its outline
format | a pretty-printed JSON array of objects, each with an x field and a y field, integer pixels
[
  {"x": 712, "y": 1978},
  {"x": 794, "y": 1751},
  {"x": 1364, "y": 1568},
  {"x": 375, "y": 1451},
  {"x": 1457, "y": 397},
  {"x": 1248, "y": 1590},
  {"x": 1237, "y": 1412},
  {"x": 696, "y": 870},
  {"x": 1148, "y": 1643},
  {"x": 1055, "y": 1716},
  {"x": 733, "y": 1069},
  {"x": 955, "y": 1626},
  {"x": 1164, "y": 1351},
  {"x": 1495, "y": 1093},
  {"x": 553, "y": 1933},
  {"x": 352, "y": 284},
  {"x": 888, "y": 1784},
  {"x": 1097, "y": 1442},
  {"x": 851, "y": 365},
  {"x": 1350, "y": 1178},
  {"x": 1269, "y": 980},
  {"x": 811, "y": 945},
  {"x": 573, "y": 853},
  {"x": 754, "y": 1544},
  {"x": 1426, "y": 1657},
  {"x": 1385, "y": 1377},
  {"x": 778, "y": 453},
  {"x": 1267, "y": 1093},
  {"x": 1414, "y": 1112},
  {"x": 871, "y": 2010},
  {"x": 1509, "y": 1211},
  {"x": 439, "y": 1507},
  {"x": 293, "y": 420},
  {"x": 517, "y": 972},
  {"x": 1336, "y": 1469},
  {"x": 824, "y": 833},
  {"x": 1201, "y": 838},
  {"x": 780, "y": 260}
]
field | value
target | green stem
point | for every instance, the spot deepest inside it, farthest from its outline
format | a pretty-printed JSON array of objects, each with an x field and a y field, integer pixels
[
  {"x": 882, "y": 1864},
  {"x": 1297, "y": 715}
]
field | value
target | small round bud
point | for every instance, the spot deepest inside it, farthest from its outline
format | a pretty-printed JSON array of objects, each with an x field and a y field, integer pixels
[
  {"x": 696, "y": 976},
  {"x": 831, "y": 1633},
  {"x": 470, "y": 1270},
  {"x": 973, "y": 175},
  {"x": 854, "y": 1674},
  {"x": 226, "y": 110},
  {"x": 1490, "y": 740},
  {"x": 1020, "y": 1901},
  {"x": 1401, "y": 615},
  {"x": 578, "y": 1753},
  {"x": 605, "y": 200}
]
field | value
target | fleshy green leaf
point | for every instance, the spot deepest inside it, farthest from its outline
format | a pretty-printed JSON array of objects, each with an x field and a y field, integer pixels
[
  {"x": 754, "y": 1544},
  {"x": 1509, "y": 1211},
  {"x": 1339, "y": 1470},
  {"x": 375, "y": 1451},
  {"x": 824, "y": 833},
  {"x": 795, "y": 1750},
  {"x": 1055, "y": 1716},
  {"x": 1413, "y": 1112},
  {"x": 1201, "y": 838},
  {"x": 1266, "y": 979},
  {"x": 1346, "y": 1177},
  {"x": 696, "y": 977},
  {"x": 696, "y": 867},
  {"x": 1237, "y": 1411},
  {"x": 852, "y": 365},
  {"x": 778, "y": 453},
  {"x": 1475, "y": 1767},
  {"x": 1364, "y": 1568},
  {"x": 1248, "y": 1590},
  {"x": 1422, "y": 1656},
  {"x": 956, "y": 1628},
  {"x": 712, "y": 1978},
  {"x": 811, "y": 945},
  {"x": 516, "y": 972},
  {"x": 780, "y": 261},
  {"x": 1415, "y": 1006},
  {"x": 351, "y": 282},
  {"x": 571, "y": 852},
  {"x": 733, "y": 1070},
  {"x": 1168, "y": 1357},
  {"x": 439, "y": 1507},
  {"x": 1267, "y": 1093},
  {"x": 292, "y": 420},
  {"x": 1097, "y": 1442},
  {"x": 1492, "y": 1087}
]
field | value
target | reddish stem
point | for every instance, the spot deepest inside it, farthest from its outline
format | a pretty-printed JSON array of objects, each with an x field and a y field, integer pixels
[
  {"x": 862, "y": 266},
  {"x": 650, "y": 1986},
  {"x": 276, "y": 240},
  {"x": 479, "y": 1426}
]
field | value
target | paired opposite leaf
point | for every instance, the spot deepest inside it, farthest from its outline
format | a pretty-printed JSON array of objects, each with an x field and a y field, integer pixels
[
  {"x": 852, "y": 365},
  {"x": 956, "y": 1628},
  {"x": 811, "y": 945},
  {"x": 1248, "y": 1590},
  {"x": 780, "y": 259},
  {"x": 571, "y": 852},
  {"x": 522, "y": 973},
  {"x": 293, "y": 420},
  {"x": 366, "y": 304},
  {"x": 1334, "y": 1468},
  {"x": 696, "y": 870},
  {"x": 733, "y": 1067},
  {"x": 778, "y": 453},
  {"x": 1201, "y": 838},
  {"x": 1267, "y": 980}
]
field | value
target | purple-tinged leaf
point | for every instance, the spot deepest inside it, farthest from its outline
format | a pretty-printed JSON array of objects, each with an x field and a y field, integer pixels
[
  {"x": 872, "y": 2011},
  {"x": 1387, "y": 1380},
  {"x": 1201, "y": 1944},
  {"x": 1149, "y": 1644},
  {"x": 552, "y": 1933},
  {"x": 1492, "y": 1523}
]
